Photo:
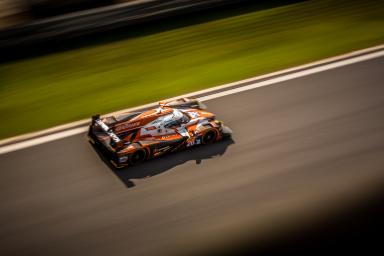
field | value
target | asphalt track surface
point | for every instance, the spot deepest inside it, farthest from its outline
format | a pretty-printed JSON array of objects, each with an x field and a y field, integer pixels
[{"x": 301, "y": 149}]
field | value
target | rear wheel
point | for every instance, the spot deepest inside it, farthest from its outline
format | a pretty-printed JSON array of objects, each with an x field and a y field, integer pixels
[
  {"x": 137, "y": 157},
  {"x": 209, "y": 137}
]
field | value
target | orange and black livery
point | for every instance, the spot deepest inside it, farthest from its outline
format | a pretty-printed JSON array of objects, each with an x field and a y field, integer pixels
[{"x": 131, "y": 138}]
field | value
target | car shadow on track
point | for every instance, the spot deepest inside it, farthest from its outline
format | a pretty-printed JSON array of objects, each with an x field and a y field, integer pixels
[{"x": 162, "y": 164}]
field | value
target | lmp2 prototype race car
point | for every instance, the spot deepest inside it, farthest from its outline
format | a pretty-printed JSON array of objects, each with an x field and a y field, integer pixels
[{"x": 131, "y": 138}]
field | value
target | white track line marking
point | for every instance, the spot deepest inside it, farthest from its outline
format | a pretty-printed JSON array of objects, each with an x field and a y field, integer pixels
[
  {"x": 71, "y": 132},
  {"x": 294, "y": 75}
]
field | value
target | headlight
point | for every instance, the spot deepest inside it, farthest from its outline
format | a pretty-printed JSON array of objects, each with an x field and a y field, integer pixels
[
  {"x": 123, "y": 159},
  {"x": 218, "y": 123}
]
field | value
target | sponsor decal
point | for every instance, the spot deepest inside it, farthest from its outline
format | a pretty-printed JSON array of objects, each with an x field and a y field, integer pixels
[
  {"x": 194, "y": 114},
  {"x": 161, "y": 150},
  {"x": 123, "y": 159},
  {"x": 150, "y": 128},
  {"x": 126, "y": 126},
  {"x": 191, "y": 142}
]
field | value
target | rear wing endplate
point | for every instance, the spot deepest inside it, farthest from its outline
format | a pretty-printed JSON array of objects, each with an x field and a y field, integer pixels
[{"x": 97, "y": 121}]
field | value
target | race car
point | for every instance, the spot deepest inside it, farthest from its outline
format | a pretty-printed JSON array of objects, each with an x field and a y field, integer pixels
[{"x": 132, "y": 138}]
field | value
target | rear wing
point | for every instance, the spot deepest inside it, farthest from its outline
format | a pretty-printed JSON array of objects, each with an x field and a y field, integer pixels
[
  {"x": 97, "y": 121},
  {"x": 183, "y": 103}
]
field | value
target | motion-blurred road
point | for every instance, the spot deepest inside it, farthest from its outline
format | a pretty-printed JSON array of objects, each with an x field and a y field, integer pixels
[{"x": 301, "y": 149}]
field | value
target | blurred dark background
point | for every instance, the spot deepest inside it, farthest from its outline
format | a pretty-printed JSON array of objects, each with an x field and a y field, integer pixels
[
  {"x": 356, "y": 230},
  {"x": 46, "y": 8},
  {"x": 34, "y": 9},
  {"x": 30, "y": 28}
]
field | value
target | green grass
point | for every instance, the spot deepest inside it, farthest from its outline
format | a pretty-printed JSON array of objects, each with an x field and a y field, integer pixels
[{"x": 70, "y": 85}]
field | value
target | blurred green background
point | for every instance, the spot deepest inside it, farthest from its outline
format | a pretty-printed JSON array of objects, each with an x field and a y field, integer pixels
[{"x": 66, "y": 86}]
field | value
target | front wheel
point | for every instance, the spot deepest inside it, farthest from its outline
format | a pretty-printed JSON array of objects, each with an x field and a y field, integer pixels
[{"x": 209, "y": 137}]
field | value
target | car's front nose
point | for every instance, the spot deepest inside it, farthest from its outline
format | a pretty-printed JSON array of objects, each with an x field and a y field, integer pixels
[{"x": 226, "y": 131}]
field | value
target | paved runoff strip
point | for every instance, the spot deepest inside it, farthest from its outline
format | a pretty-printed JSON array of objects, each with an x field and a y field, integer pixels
[
  {"x": 67, "y": 130},
  {"x": 41, "y": 140}
]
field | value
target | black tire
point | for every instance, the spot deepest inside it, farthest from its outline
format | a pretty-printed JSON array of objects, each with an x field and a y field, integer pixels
[
  {"x": 137, "y": 157},
  {"x": 209, "y": 137}
]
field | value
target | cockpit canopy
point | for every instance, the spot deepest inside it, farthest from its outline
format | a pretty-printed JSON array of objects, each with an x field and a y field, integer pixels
[{"x": 174, "y": 119}]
